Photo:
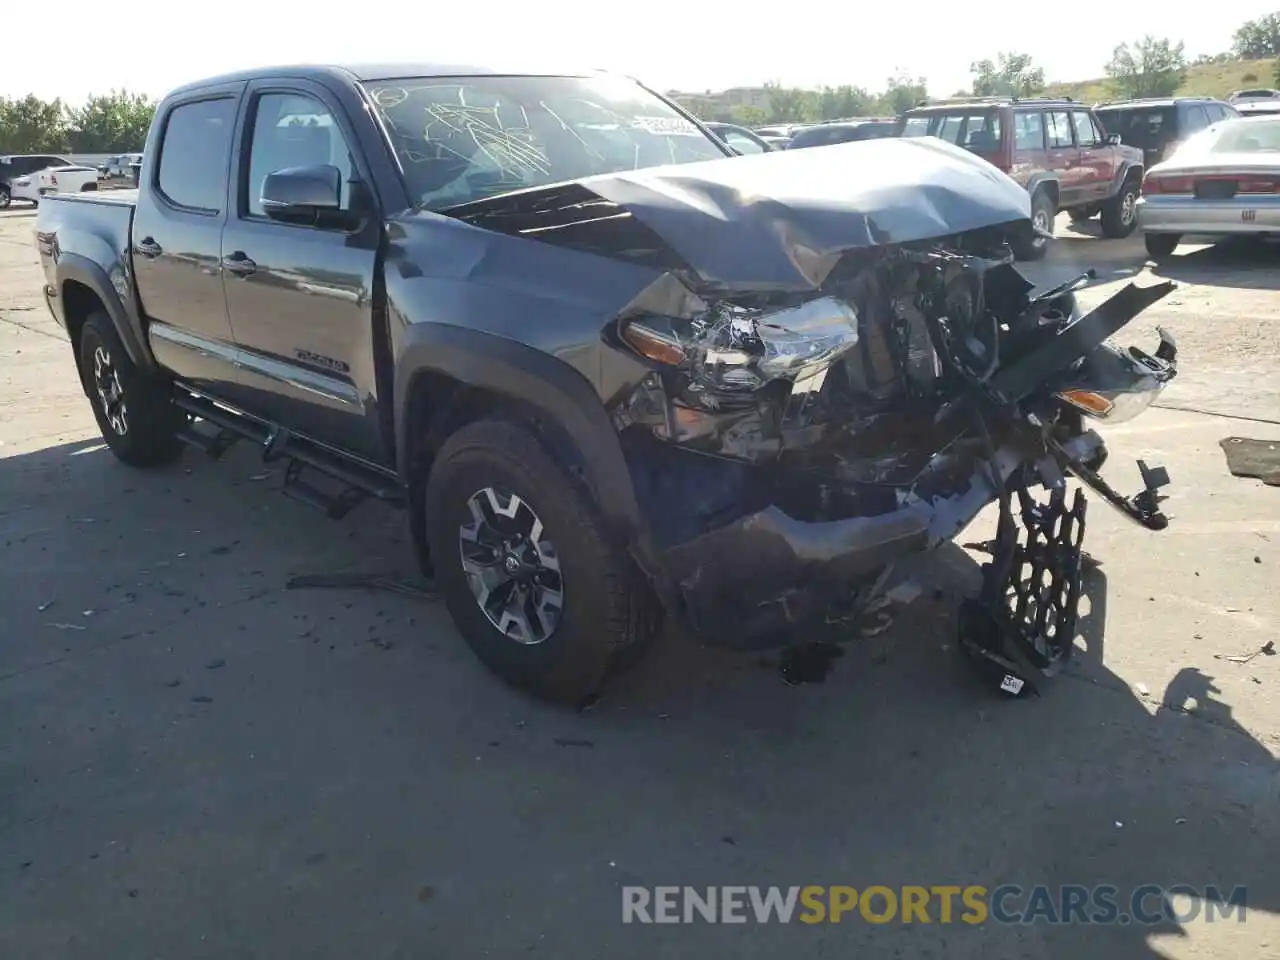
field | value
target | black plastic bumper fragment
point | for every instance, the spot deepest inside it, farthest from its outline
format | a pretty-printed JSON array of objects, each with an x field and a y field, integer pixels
[
  {"x": 1022, "y": 625},
  {"x": 1142, "y": 508},
  {"x": 1074, "y": 341}
]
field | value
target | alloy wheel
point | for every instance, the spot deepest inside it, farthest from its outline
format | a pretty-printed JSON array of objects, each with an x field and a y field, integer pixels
[
  {"x": 106, "y": 380},
  {"x": 511, "y": 566},
  {"x": 1128, "y": 207}
]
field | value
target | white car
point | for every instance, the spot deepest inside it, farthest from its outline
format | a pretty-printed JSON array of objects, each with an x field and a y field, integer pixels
[
  {"x": 73, "y": 178},
  {"x": 18, "y": 179}
]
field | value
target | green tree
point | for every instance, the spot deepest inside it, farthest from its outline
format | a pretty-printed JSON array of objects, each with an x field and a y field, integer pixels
[
  {"x": 786, "y": 104},
  {"x": 32, "y": 125},
  {"x": 745, "y": 115},
  {"x": 1258, "y": 38},
  {"x": 1150, "y": 68},
  {"x": 1011, "y": 75},
  {"x": 1275, "y": 73},
  {"x": 902, "y": 92},
  {"x": 833, "y": 103},
  {"x": 112, "y": 123}
]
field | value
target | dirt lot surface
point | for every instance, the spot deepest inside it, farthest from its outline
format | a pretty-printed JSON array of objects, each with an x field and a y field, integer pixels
[{"x": 197, "y": 763}]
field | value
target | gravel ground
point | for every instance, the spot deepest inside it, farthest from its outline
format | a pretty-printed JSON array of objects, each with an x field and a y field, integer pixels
[{"x": 197, "y": 763}]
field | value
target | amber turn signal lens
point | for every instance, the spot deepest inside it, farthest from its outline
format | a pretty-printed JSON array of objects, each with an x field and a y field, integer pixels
[
  {"x": 653, "y": 345},
  {"x": 1088, "y": 401}
]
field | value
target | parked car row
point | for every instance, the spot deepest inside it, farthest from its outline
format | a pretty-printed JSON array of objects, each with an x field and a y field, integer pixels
[
  {"x": 1172, "y": 165},
  {"x": 125, "y": 166},
  {"x": 31, "y": 176}
]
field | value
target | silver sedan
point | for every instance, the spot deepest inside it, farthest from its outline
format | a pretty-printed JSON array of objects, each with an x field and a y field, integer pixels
[{"x": 1225, "y": 180}]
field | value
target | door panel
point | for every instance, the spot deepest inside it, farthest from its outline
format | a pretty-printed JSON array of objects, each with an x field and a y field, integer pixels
[
  {"x": 177, "y": 240},
  {"x": 1097, "y": 160},
  {"x": 300, "y": 297},
  {"x": 1064, "y": 156}
]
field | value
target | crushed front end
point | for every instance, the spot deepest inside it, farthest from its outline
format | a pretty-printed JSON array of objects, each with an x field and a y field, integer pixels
[{"x": 789, "y": 447}]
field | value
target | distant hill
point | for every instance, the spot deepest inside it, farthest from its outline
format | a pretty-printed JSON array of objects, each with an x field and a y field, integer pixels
[{"x": 1203, "y": 80}]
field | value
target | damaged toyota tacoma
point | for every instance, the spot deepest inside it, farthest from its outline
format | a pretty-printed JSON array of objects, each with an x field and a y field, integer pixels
[{"x": 611, "y": 371}]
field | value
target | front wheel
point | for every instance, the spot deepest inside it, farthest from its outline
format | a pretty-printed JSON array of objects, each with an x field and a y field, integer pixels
[
  {"x": 536, "y": 587},
  {"x": 135, "y": 412},
  {"x": 4, "y": 197},
  {"x": 1160, "y": 245},
  {"x": 1120, "y": 213}
]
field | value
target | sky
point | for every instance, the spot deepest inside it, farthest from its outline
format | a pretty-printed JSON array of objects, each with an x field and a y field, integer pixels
[{"x": 668, "y": 44}]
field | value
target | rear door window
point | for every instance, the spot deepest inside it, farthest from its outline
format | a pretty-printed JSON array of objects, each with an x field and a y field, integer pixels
[
  {"x": 1028, "y": 130},
  {"x": 195, "y": 152},
  {"x": 1058, "y": 125}
]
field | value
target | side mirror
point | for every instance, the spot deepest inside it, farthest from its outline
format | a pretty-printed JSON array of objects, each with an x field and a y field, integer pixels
[
  {"x": 301, "y": 193},
  {"x": 1113, "y": 140}
]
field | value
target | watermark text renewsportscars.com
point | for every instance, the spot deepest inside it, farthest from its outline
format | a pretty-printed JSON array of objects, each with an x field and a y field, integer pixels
[{"x": 1145, "y": 905}]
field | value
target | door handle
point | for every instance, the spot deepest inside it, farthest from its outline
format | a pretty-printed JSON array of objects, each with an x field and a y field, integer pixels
[
  {"x": 239, "y": 264},
  {"x": 148, "y": 248}
]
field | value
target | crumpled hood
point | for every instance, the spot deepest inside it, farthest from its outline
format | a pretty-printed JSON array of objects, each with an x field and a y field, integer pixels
[
  {"x": 769, "y": 221},
  {"x": 781, "y": 220}
]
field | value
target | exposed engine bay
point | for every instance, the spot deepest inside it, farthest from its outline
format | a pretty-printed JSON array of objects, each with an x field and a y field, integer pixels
[{"x": 813, "y": 439}]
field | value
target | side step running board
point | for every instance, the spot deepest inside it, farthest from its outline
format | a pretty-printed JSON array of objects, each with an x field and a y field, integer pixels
[{"x": 356, "y": 481}]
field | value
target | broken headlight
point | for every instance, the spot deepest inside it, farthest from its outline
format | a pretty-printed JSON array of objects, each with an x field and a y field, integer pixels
[{"x": 733, "y": 349}]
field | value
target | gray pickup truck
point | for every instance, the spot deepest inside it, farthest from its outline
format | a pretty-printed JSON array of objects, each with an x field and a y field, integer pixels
[{"x": 610, "y": 369}]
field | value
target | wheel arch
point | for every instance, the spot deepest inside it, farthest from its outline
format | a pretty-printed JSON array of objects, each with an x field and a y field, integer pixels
[
  {"x": 448, "y": 376},
  {"x": 84, "y": 288},
  {"x": 1045, "y": 184}
]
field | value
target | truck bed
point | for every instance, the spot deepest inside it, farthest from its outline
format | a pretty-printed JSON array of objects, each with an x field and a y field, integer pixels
[{"x": 94, "y": 227}]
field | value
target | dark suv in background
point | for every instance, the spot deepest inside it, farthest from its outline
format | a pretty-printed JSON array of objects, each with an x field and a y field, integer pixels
[
  {"x": 843, "y": 131},
  {"x": 1156, "y": 127},
  {"x": 1055, "y": 148}
]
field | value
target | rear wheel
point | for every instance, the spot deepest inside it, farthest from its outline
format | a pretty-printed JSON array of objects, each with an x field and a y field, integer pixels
[
  {"x": 1161, "y": 244},
  {"x": 535, "y": 586},
  {"x": 1120, "y": 213},
  {"x": 4, "y": 197},
  {"x": 1031, "y": 245},
  {"x": 135, "y": 412}
]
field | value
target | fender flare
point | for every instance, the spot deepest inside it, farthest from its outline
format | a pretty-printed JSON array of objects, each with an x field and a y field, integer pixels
[
  {"x": 79, "y": 268},
  {"x": 538, "y": 380},
  {"x": 1125, "y": 169},
  {"x": 1038, "y": 180}
]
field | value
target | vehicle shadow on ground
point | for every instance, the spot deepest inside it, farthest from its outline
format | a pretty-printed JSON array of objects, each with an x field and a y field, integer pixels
[
  {"x": 1244, "y": 263},
  {"x": 698, "y": 767}
]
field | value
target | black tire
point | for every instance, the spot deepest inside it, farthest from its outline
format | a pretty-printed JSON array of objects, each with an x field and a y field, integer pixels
[
  {"x": 1081, "y": 214},
  {"x": 1120, "y": 213},
  {"x": 141, "y": 426},
  {"x": 1161, "y": 245},
  {"x": 607, "y": 613},
  {"x": 5, "y": 197},
  {"x": 1029, "y": 245}
]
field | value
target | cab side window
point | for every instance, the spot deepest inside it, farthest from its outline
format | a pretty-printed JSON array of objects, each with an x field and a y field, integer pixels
[
  {"x": 293, "y": 130},
  {"x": 194, "y": 153}
]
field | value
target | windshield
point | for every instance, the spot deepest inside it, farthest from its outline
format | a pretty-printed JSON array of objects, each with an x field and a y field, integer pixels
[{"x": 461, "y": 139}]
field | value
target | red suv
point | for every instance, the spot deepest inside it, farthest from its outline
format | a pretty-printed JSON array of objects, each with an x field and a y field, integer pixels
[{"x": 1055, "y": 148}]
